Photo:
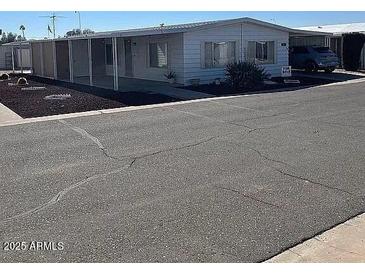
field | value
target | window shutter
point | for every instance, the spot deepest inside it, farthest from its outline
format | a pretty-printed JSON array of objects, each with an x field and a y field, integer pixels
[
  {"x": 271, "y": 52},
  {"x": 239, "y": 54},
  {"x": 251, "y": 51},
  {"x": 208, "y": 55},
  {"x": 202, "y": 54},
  {"x": 231, "y": 52}
]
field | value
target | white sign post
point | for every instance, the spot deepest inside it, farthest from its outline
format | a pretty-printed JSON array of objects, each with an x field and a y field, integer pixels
[{"x": 286, "y": 71}]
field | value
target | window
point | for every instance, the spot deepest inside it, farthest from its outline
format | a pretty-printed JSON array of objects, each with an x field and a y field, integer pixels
[
  {"x": 158, "y": 55},
  {"x": 219, "y": 54},
  {"x": 109, "y": 54},
  {"x": 261, "y": 52}
]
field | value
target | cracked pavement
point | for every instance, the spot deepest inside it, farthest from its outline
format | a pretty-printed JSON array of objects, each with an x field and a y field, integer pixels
[{"x": 232, "y": 180}]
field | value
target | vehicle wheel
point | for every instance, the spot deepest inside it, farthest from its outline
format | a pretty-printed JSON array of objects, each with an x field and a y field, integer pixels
[
  {"x": 329, "y": 70},
  {"x": 310, "y": 66}
]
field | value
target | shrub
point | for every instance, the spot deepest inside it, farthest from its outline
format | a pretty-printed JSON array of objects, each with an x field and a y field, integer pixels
[
  {"x": 245, "y": 75},
  {"x": 4, "y": 76},
  {"x": 352, "y": 45},
  {"x": 170, "y": 75}
]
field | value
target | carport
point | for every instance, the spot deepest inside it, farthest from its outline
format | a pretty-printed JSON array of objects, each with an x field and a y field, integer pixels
[{"x": 309, "y": 38}]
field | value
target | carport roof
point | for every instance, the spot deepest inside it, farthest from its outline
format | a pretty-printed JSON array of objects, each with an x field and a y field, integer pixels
[
  {"x": 338, "y": 29},
  {"x": 15, "y": 43},
  {"x": 180, "y": 28}
]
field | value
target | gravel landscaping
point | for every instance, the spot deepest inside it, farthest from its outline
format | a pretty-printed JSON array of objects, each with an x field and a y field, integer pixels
[
  {"x": 224, "y": 89},
  {"x": 42, "y": 98}
]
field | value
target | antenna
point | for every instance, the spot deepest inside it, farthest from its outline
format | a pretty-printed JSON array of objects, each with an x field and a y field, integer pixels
[{"x": 53, "y": 17}]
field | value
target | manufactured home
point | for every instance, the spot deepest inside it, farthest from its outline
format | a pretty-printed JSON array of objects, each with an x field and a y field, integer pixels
[
  {"x": 335, "y": 41},
  {"x": 195, "y": 52},
  {"x": 15, "y": 56}
]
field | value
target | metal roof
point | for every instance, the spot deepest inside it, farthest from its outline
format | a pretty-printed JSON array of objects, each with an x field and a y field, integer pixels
[
  {"x": 168, "y": 29},
  {"x": 16, "y": 43},
  {"x": 337, "y": 29}
]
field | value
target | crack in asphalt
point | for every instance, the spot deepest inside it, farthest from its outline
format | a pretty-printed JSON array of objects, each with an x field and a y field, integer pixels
[
  {"x": 267, "y": 158},
  {"x": 297, "y": 176},
  {"x": 247, "y": 196},
  {"x": 56, "y": 198},
  {"x": 267, "y": 116},
  {"x": 312, "y": 182},
  {"x": 343, "y": 125},
  {"x": 235, "y": 106},
  {"x": 172, "y": 149},
  {"x": 87, "y": 135},
  {"x": 210, "y": 118}
]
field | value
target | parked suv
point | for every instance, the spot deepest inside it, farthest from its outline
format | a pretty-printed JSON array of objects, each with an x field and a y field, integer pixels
[{"x": 313, "y": 58}]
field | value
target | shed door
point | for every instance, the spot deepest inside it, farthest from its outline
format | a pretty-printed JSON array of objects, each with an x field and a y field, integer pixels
[{"x": 128, "y": 58}]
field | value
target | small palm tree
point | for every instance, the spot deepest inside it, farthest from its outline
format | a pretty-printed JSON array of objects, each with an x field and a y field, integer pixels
[{"x": 22, "y": 28}]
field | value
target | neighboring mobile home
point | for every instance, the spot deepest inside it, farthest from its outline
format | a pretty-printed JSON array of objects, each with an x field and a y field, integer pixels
[
  {"x": 196, "y": 51},
  {"x": 335, "y": 41},
  {"x": 15, "y": 55}
]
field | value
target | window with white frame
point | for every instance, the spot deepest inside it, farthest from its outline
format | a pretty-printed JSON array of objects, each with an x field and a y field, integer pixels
[
  {"x": 217, "y": 55},
  {"x": 261, "y": 52},
  {"x": 158, "y": 55}
]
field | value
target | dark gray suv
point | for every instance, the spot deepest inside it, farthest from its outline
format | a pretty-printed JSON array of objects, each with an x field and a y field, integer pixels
[{"x": 313, "y": 58}]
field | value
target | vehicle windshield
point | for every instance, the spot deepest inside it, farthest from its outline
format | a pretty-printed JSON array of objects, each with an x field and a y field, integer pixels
[{"x": 322, "y": 50}]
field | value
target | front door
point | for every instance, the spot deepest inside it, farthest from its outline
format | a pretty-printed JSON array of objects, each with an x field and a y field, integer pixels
[{"x": 128, "y": 58}]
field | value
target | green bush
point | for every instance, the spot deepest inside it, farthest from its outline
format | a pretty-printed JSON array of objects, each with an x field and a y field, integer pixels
[
  {"x": 245, "y": 75},
  {"x": 352, "y": 46}
]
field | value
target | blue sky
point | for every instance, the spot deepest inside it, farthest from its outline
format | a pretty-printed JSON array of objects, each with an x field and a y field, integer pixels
[{"x": 36, "y": 26}]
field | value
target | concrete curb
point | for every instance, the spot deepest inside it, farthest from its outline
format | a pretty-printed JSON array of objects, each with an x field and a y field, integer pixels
[
  {"x": 344, "y": 243},
  {"x": 7, "y": 115}
]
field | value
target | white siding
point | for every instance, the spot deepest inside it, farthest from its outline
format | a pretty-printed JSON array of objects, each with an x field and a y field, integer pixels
[
  {"x": 241, "y": 33},
  {"x": 6, "y": 50},
  {"x": 141, "y": 68},
  {"x": 36, "y": 59},
  {"x": 3, "y": 51},
  {"x": 25, "y": 52}
]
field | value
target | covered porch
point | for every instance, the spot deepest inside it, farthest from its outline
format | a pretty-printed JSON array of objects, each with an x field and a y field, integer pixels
[{"x": 110, "y": 62}]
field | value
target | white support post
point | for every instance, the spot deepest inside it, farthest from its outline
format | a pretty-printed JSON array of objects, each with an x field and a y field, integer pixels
[
  {"x": 70, "y": 61},
  {"x": 341, "y": 61},
  {"x": 31, "y": 58},
  {"x": 90, "y": 62},
  {"x": 115, "y": 63},
  {"x": 42, "y": 58},
  {"x": 54, "y": 53},
  {"x": 12, "y": 59},
  {"x": 21, "y": 57}
]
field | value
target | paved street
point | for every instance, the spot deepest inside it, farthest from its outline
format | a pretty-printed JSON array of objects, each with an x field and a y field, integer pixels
[{"x": 230, "y": 180}]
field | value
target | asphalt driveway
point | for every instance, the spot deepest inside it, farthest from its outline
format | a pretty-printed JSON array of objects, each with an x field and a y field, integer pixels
[{"x": 229, "y": 180}]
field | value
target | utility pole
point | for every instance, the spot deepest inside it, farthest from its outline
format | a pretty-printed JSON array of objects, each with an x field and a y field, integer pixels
[
  {"x": 79, "y": 21},
  {"x": 53, "y": 18}
]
